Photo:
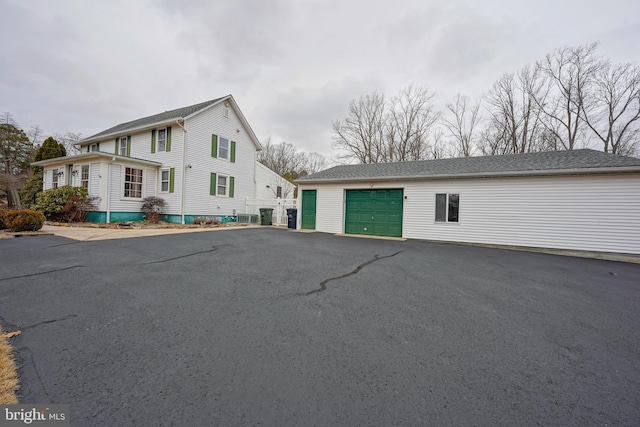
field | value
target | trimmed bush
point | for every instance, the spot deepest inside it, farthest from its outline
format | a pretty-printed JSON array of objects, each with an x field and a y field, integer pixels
[
  {"x": 152, "y": 206},
  {"x": 24, "y": 220},
  {"x": 2, "y": 224},
  {"x": 65, "y": 203}
]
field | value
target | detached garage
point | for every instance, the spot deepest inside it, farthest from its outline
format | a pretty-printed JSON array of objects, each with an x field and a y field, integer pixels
[{"x": 577, "y": 200}]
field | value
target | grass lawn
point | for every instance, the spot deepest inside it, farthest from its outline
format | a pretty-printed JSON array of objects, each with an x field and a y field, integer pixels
[{"x": 8, "y": 375}]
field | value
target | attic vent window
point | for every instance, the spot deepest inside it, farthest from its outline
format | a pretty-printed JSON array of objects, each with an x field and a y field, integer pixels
[{"x": 225, "y": 112}]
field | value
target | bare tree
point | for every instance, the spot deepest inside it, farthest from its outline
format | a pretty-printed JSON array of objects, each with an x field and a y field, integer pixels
[
  {"x": 71, "y": 141},
  {"x": 439, "y": 148},
  {"x": 380, "y": 131},
  {"x": 360, "y": 136},
  {"x": 315, "y": 163},
  {"x": 570, "y": 71},
  {"x": 281, "y": 158},
  {"x": 462, "y": 123},
  {"x": 35, "y": 135},
  {"x": 411, "y": 117},
  {"x": 615, "y": 113},
  {"x": 7, "y": 119},
  {"x": 514, "y": 114}
]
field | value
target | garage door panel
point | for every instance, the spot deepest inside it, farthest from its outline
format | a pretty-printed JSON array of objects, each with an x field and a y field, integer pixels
[{"x": 374, "y": 212}]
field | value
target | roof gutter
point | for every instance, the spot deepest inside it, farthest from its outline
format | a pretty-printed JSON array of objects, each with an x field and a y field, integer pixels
[
  {"x": 548, "y": 172},
  {"x": 93, "y": 155}
]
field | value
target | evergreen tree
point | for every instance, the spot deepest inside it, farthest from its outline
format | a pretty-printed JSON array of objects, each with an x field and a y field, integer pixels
[{"x": 50, "y": 149}]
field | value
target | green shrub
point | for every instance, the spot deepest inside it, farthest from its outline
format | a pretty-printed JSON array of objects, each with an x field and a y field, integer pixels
[
  {"x": 24, "y": 220},
  {"x": 52, "y": 202}
]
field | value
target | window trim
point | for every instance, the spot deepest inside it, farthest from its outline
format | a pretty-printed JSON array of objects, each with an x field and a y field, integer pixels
[
  {"x": 123, "y": 183},
  {"x": 447, "y": 207},
  {"x": 55, "y": 179},
  {"x": 88, "y": 180},
  {"x": 158, "y": 150},
  {"x": 226, "y": 186},
  {"x": 220, "y": 138},
  {"x": 168, "y": 180},
  {"x": 93, "y": 147},
  {"x": 121, "y": 145}
]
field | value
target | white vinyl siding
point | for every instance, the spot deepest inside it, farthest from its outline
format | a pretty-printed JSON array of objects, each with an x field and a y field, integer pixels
[
  {"x": 198, "y": 198},
  {"x": 590, "y": 212}
]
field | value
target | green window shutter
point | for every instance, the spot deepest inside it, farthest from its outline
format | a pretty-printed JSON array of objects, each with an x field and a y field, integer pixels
[
  {"x": 168, "y": 136},
  {"x": 232, "y": 182},
  {"x": 98, "y": 146},
  {"x": 117, "y": 145},
  {"x": 233, "y": 151},
  {"x": 129, "y": 146},
  {"x": 153, "y": 141},
  {"x": 212, "y": 184},
  {"x": 214, "y": 145},
  {"x": 172, "y": 178}
]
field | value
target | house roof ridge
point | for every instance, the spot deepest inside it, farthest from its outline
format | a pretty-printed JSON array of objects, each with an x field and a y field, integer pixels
[
  {"x": 522, "y": 163},
  {"x": 156, "y": 118}
]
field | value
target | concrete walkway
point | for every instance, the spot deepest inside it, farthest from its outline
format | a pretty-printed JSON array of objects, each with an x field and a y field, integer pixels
[{"x": 91, "y": 233}]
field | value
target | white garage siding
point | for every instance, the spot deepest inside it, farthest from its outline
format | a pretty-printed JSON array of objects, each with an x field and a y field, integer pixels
[{"x": 588, "y": 212}]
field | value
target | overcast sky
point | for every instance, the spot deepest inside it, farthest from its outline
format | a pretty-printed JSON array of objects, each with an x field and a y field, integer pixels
[{"x": 292, "y": 65}]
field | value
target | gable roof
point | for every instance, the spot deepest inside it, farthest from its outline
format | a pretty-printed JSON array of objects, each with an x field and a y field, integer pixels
[
  {"x": 527, "y": 164},
  {"x": 178, "y": 113},
  {"x": 168, "y": 117}
]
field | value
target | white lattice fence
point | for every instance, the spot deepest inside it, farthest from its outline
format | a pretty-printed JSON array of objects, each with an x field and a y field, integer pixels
[{"x": 279, "y": 206}]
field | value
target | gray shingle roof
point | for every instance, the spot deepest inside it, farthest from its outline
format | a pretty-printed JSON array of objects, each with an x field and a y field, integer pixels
[
  {"x": 178, "y": 113},
  {"x": 517, "y": 164}
]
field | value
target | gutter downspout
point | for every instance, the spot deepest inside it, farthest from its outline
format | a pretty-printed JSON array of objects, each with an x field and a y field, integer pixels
[
  {"x": 184, "y": 170},
  {"x": 109, "y": 189}
]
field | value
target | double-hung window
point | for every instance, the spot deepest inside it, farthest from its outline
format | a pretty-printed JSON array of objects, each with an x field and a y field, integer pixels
[
  {"x": 222, "y": 185},
  {"x": 54, "y": 181},
  {"x": 447, "y": 207},
  {"x": 133, "y": 183},
  {"x": 223, "y": 149},
  {"x": 123, "y": 146},
  {"x": 164, "y": 180},
  {"x": 162, "y": 139},
  {"x": 84, "y": 177}
]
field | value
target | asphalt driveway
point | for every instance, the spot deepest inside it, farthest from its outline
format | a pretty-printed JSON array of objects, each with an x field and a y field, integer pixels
[{"x": 273, "y": 327}]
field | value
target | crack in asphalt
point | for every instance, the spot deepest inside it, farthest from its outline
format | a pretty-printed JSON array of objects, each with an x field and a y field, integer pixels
[
  {"x": 215, "y": 248},
  {"x": 323, "y": 285},
  {"x": 69, "y": 316},
  {"x": 41, "y": 273},
  {"x": 29, "y": 357}
]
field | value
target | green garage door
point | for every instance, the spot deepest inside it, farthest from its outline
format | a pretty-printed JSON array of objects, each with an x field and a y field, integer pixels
[
  {"x": 374, "y": 212},
  {"x": 308, "y": 221}
]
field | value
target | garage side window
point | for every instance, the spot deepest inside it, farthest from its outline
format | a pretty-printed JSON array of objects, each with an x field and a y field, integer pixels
[{"x": 447, "y": 207}]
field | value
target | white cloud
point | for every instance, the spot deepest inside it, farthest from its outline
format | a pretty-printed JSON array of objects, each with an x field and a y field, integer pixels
[{"x": 292, "y": 65}]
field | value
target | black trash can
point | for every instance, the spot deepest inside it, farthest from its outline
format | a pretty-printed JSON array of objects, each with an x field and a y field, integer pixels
[
  {"x": 292, "y": 218},
  {"x": 266, "y": 216}
]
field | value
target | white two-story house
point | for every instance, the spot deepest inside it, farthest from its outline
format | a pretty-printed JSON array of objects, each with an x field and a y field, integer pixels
[{"x": 200, "y": 159}]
